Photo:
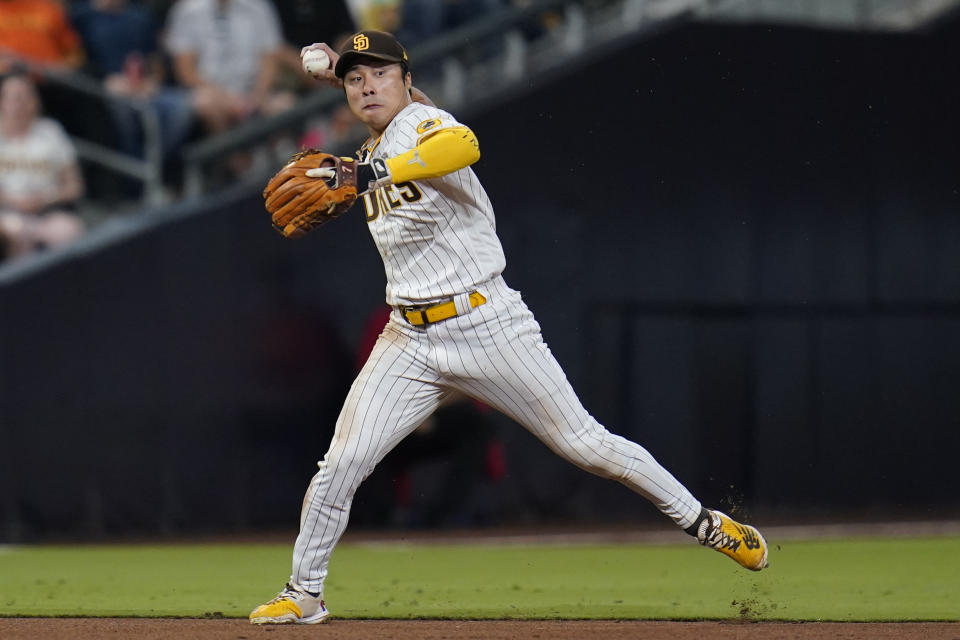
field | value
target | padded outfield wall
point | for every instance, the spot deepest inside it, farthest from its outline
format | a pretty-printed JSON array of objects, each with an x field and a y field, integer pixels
[{"x": 740, "y": 242}]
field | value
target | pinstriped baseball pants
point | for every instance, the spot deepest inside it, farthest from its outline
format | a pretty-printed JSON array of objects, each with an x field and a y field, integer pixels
[{"x": 495, "y": 354}]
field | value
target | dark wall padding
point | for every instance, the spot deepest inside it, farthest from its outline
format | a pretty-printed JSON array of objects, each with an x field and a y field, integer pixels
[{"x": 740, "y": 243}]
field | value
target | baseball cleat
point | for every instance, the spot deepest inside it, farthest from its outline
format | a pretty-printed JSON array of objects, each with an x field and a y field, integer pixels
[
  {"x": 291, "y": 606},
  {"x": 741, "y": 542}
]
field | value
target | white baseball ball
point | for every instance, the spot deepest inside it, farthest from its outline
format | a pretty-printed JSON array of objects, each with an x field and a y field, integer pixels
[{"x": 315, "y": 61}]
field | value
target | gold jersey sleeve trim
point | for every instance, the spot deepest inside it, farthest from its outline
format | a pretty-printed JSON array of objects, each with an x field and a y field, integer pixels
[{"x": 437, "y": 153}]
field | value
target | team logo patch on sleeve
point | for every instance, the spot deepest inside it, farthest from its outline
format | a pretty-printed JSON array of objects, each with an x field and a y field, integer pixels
[{"x": 426, "y": 125}]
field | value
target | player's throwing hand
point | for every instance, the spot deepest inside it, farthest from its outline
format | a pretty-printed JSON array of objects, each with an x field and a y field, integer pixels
[{"x": 325, "y": 75}]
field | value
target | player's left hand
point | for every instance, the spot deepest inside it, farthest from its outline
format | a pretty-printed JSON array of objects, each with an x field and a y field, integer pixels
[
  {"x": 369, "y": 175},
  {"x": 299, "y": 203}
]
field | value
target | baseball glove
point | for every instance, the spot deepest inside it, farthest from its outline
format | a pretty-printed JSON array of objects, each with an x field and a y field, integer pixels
[{"x": 310, "y": 190}]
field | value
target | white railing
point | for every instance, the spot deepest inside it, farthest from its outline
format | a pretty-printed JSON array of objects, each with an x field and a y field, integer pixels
[
  {"x": 475, "y": 66},
  {"x": 882, "y": 15},
  {"x": 148, "y": 169}
]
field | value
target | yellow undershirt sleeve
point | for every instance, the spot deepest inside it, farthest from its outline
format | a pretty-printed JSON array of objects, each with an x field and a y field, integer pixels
[{"x": 436, "y": 154}]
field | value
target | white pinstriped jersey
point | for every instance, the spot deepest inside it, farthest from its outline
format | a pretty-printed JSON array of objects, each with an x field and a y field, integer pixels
[{"x": 437, "y": 237}]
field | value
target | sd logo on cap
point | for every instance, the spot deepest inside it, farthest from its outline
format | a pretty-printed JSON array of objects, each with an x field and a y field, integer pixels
[{"x": 379, "y": 45}]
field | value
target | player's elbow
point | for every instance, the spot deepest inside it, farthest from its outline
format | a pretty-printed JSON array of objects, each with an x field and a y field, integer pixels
[
  {"x": 471, "y": 147},
  {"x": 458, "y": 144}
]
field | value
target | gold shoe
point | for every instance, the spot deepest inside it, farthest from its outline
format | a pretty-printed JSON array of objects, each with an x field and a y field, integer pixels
[
  {"x": 291, "y": 605},
  {"x": 741, "y": 542}
]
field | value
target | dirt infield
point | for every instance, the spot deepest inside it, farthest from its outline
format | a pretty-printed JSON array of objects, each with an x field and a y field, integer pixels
[{"x": 157, "y": 629}]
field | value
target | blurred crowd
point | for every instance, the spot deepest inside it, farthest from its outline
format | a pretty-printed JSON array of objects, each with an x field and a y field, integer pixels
[{"x": 201, "y": 66}]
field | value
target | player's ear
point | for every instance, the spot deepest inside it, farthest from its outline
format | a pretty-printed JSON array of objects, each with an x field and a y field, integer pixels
[{"x": 408, "y": 81}]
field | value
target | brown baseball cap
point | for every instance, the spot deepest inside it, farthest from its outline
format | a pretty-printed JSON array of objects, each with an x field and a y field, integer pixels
[{"x": 370, "y": 44}]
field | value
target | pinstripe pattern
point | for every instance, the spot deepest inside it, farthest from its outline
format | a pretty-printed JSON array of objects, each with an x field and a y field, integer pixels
[
  {"x": 495, "y": 354},
  {"x": 436, "y": 247},
  {"x": 445, "y": 242}
]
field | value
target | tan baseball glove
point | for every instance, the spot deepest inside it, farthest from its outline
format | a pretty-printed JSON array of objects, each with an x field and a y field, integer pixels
[{"x": 310, "y": 190}]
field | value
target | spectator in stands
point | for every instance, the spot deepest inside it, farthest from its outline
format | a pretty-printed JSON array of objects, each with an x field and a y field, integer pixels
[
  {"x": 225, "y": 52},
  {"x": 40, "y": 180},
  {"x": 120, "y": 39},
  {"x": 37, "y": 32}
]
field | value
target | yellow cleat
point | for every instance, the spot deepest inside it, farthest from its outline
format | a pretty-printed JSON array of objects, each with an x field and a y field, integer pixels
[
  {"x": 741, "y": 542},
  {"x": 291, "y": 606}
]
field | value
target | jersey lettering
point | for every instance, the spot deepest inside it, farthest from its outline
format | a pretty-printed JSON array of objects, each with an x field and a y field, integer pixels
[
  {"x": 372, "y": 205},
  {"x": 389, "y": 197},
  {"x": 384, "y": 207},
  {"x": 409, "y": 191}
]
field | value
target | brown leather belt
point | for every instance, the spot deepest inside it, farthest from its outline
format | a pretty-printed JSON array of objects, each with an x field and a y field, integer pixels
[{"x": 420, "y": 316}]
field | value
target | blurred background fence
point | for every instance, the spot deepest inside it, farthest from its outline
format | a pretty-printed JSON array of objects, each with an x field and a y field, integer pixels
[{"x": 739, "y": 239}]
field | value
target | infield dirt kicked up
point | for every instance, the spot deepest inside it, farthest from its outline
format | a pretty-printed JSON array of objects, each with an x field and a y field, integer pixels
[{"x": 157, "y": 629}]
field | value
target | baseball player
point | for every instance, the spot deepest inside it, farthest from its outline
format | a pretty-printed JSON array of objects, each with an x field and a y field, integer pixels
[{"x": 456, "y": 325}]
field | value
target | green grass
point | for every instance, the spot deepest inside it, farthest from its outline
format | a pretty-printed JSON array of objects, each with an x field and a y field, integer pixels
[{"x": 851, "y": 580}]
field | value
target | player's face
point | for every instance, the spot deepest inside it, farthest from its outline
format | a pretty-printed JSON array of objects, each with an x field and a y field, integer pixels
[{"x": 376, "y": 92}]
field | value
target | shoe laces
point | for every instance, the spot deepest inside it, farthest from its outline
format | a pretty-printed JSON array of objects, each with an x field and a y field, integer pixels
[
  {"x": 717, "y": 538},
  {"x": 289, "y": 592}
]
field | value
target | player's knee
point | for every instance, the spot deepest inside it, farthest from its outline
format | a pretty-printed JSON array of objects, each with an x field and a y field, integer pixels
[
  {"x": 599, "y": 466},
  {"x": 587, "y": 449},
  {"x": 336, "y": 461},
  {"x": 354, "y": 466}
]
